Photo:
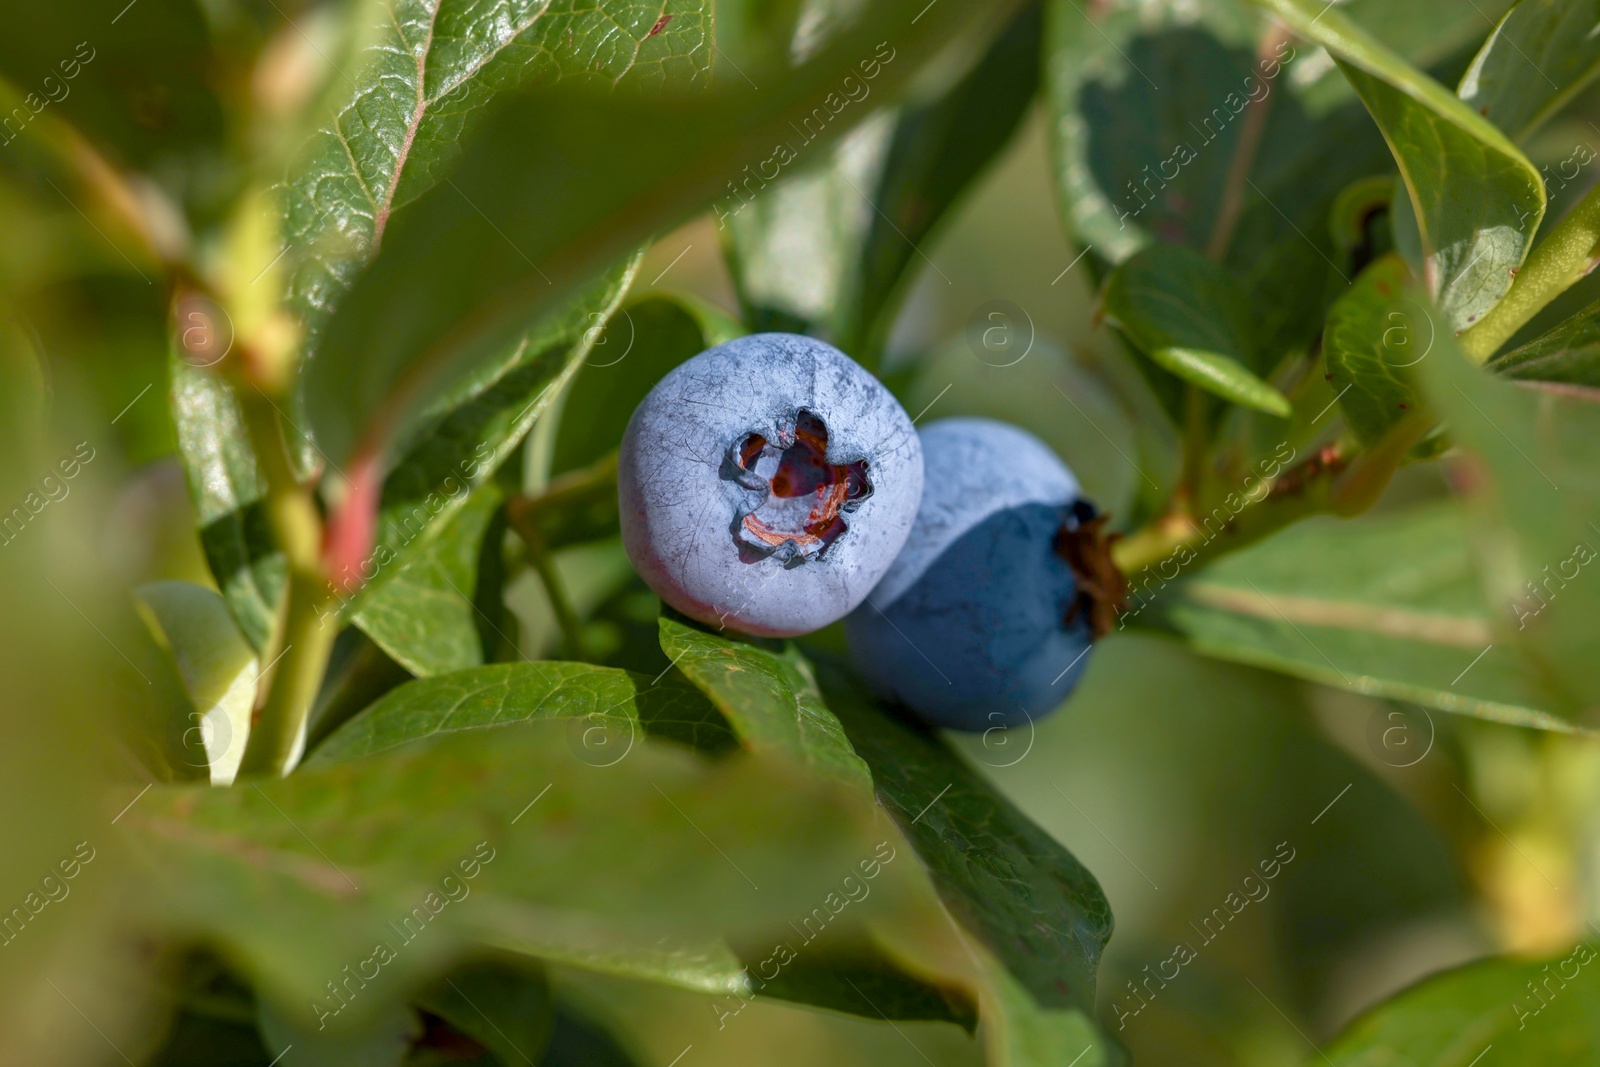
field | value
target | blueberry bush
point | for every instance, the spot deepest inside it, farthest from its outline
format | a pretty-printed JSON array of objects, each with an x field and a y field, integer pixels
[{"x": 341, "y": 728}]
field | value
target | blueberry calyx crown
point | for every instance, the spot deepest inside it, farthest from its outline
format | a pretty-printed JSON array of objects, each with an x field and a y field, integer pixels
[
  {"x": 803, "y": 497},
  {"x": 1102, "y": 590}
]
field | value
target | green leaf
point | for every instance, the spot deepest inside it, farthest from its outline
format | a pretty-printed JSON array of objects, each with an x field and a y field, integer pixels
[
  {"x": 613, "y": 709},
  {"x": 1190, "y": 317},
  {"x": 1223, "y": 376},
  {"x": 218, "y": 667},
  {"x": 506, "y": 1009},
  {"x": 425, "y": 617},
  {"x": 1113, "y": 126},
  {"x": 1377, "y": 329},
  {"x": 1038, "y": 917},
  {"x": 641, "y": 343},
  {"x": 1530, "y": 469},
  {"x": 1568, "y": 353},
  {"x": 1528, "y": 1011},
  {"x": 1011, "y": 884},
  {"x": 428, "y": 79},
  {"x": 768, "y": 694},
  {"x": 465, "y": 435},
  {"x": 829, "y": 249},
  {"x": 557, "y": 183},
  {"x": 1477, "y": 199},
  {"x": 499, "y": 838},
  {"x": 1387, "y": 605},
  {"x": 1538, "y": 57},
  {"x": 141, "y": 83},
  {"x": 227, "y": 491}
]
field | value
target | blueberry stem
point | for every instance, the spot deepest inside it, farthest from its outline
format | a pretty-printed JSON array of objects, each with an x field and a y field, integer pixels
[
  {"x": 1328, "y": 481},
  {"x": 298, "y": 652}
]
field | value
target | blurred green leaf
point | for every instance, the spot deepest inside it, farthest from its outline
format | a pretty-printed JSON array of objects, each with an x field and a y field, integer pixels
[
  {"x": 640, "y": 344},
  {"x": 1375, "y": 330},
  {"x": 466, "y": 434},
  {"x": 141, "y": 82},
  {"x": 1388, "y": 605},
  {"x": 1531, "y": 473},
  {"x": 1528, "y": 1011},
  {"x": 1477, "y": 199},
  {"x": 768, "y": 694},
  {"x": 506, "y": 1009},
  {"x": 828, "y": 250},
  {"x": 613, "y": 707},
  {"x": 218, "y": 667},
  {"x": 501, "y": 838},
  {"x": 425, "y": 617},
  {"x": 1568, "y": 353},
  {"x": 1538, "y": 57},
  {"x": 384, "y": 1042},
  {"x": 467, "y": 264},
  {"x": 1189, "y": 316},
  {"x": 227, "y": 490}
]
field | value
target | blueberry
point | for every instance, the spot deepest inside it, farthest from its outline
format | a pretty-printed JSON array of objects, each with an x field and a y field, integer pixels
[
  {"x": 987, "y": 617},
  {"x": 767, "y": 484}
]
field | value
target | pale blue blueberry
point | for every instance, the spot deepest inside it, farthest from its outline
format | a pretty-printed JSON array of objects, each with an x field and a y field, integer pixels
[{"x": 767, "y": 484}]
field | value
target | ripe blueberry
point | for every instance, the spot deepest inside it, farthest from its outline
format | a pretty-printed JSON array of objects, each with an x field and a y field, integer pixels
[
  {"x": 767, "y": 484},
  {"x": 988, "y": 615}
]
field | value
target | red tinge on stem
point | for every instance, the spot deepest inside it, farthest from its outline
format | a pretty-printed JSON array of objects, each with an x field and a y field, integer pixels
[{"x": 352, "y": 526}]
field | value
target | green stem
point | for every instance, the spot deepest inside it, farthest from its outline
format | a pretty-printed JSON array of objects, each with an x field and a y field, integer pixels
[
  {"x": 555, "y": 589},
  {"x": 1312, "y": 488},
  {"x": 297, "y": 655},
  {"x": 1196, "y": 446},
  {"x": 1559, "y": 261}
]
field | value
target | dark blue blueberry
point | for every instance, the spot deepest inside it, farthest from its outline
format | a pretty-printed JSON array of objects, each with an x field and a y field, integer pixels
[{"x": 987, "y": 617}]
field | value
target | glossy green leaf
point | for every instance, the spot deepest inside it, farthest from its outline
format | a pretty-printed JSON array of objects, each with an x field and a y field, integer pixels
[
  {"x": 425, "y": 617},
  {"x": 1477, "y": 199},
  {"x": 1539, "y": 55},
  {"x": 614, "y": 708},
  {"x": 1038, "y": 917},
  {"x": 1376, "y": 330},
  {"x": 427, "y": 80},
  {"x": 1526, "y": 1011},
  {"x": 467, "y": 264},
  {"x": 831, "y": 249},
  {"x": 1014, "y": 887},
  {"x": 1190, "y": 317},
  {"x": 1569, "y": 353},
  {"x": 227, "y": 490},
  {"x": 1387, "y": 605},
  {"x": 1531, "y": 473},
  {"x": 503, "y": 837},
  {"x": 768, "y": 694}
]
